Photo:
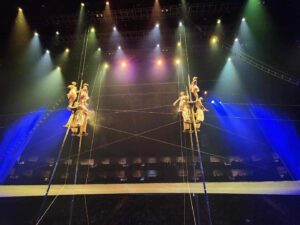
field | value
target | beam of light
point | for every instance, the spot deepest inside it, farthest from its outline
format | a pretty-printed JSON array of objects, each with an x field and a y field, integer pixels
[
  {"x": 258, "y": 26},
  {"x": 115, "y": 36},
  {"x": 282, "y": 136},
  {"x": 156, "y": 11},
  {"x": 32, "y": 54},
  {"x": 63, "y": 57},
  {"x": 49, "y": 134},
  {"x": 92, "y": 41},
  {"x": 154, "y": 35},
  {"x": 21, "y": 33},
  {"x": 107, "y": 14},
  {"x": 258, "y": 130},
  {"x": 15, "y": 140},
  {"x": 53, "y": 79},
  {"x": 219, "y": 21},
  {"x": 57, "y": 33},
  {"x": 229, "y": 80}
]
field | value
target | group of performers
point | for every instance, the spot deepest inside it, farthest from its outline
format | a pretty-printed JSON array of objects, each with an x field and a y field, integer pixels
[
  {"x": 191, "y": 108},
  {"x": 78, "y": 104}
]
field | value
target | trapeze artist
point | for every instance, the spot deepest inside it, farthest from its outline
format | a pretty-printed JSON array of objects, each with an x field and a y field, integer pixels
[
  {"x": 78, "y": 104},
  {"x": 188, "y": 109}
]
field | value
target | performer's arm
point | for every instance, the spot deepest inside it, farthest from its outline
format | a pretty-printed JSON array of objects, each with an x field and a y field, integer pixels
[{"x": 174, "y": 103}]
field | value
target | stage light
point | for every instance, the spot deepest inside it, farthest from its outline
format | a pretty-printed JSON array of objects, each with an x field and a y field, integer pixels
[
  {"x": 236, "y": 40},
  {"x": 157, "y": 25},
  {"x": 157, "y": 46},
  {"x": 106, "y": 66},
  {"x": 93, "y": 30},
  {"x": 212, "y": 101},
  {"x": 57, "y": 32},
  {"x": 36, "y": 34},
  {"x": 114, "y": 28},
  {"x": 180, "y": 23},
  {"x": 82, "y": 4},
  {"x": 205, "y": 92},
  {"x": 178, "y": 43},
  {"x": 123, "y": 64},
  {"x": 20, "y": 9},
  {"x": 107, "y": 3},
  {"x": 159, "y": 62},
  {"x": 177, "y": 61},
  {"x": 67, "y": 50},
  {"x": 229, "y": 59},
  {"x": 220, "y": 102},
  {"x": 214, "y": 39},
  {"x": 47, "y": 51},
  {"x": 58, "y": 68},
  {"x": 119, "y": 47},
  {"x": 243, "y": 19},
  {"x": 219, "y": 21},
  {"x": 99, "y": 49}
]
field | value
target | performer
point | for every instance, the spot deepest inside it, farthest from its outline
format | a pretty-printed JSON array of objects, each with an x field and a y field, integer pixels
[
  {"x": 182, "y": 99},
  {"x": 184, "y": 111},
  {"x": 72, "y": 94},
  {"x": 199, "y": 115},
  {"x": 78, "y": 120},
  {"x": 83, "y": 111},
  {"x": 194, "y": 89}
]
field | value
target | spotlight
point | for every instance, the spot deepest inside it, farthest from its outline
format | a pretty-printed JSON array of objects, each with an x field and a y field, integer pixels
[
  {"x": 157, "y": 46},
  {"x": 58, "y": 68},
  {"x": 99, "y": 49},
  {"x": 178, "y": 43},
  {"x": 214, "y": 39},
  {"x": 159, "y": 62},
  {"x": 82, "y": 4},
  {"x": 229, "y": 59},
  {"x": 119, "y": 47},
  {"x": 106, "y": 66},
  {"x": 220, "y": 102},
  {"x": 157, "y": 25},
  {"x": 205, "y": 92},
  {"x": 57, "y": 32},
  {"x": 219, "y": 21},
  {"x": 36, "y": 34},
  {"x": 20, "y": 9},
  {"x": 47, "y": 51},
  {"x": 114, "y": 28},
  {"x": 236, "y": 40},
  {"x": 107, "y": 3},
  {"x": 180, "y": 23},
  {"x": 177, "y": 61},
  {"x": 212, "y": 101},
  {"x": 243, "y": 19},
  {"x": 67, "y": 50},
  {"x": 93, "y": 30},
  {"x": 123, "y": 64}
]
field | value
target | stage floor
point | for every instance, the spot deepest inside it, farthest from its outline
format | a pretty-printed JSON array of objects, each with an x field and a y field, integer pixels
[{"x": 257, "y": 188}]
